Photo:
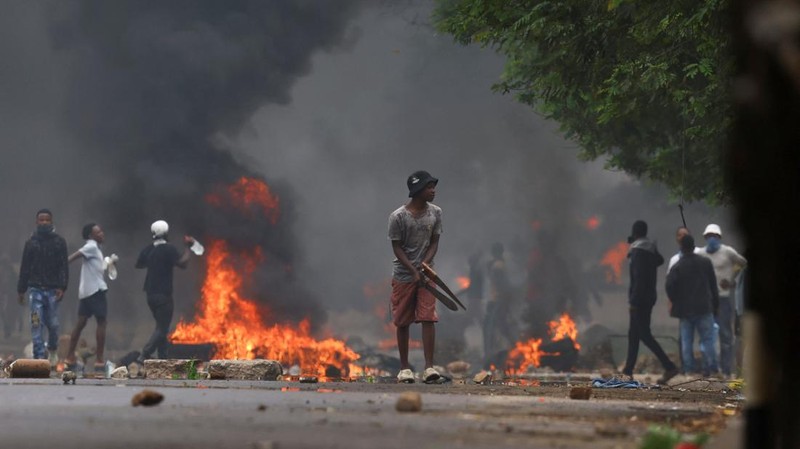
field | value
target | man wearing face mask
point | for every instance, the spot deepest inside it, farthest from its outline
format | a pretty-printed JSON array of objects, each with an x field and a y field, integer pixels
[
  {"x": 727, "y": 263},
  {"x": 44, "y": 274}
]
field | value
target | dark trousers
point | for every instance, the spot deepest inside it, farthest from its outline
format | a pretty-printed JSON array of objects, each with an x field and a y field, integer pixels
[
  {"x": 162, "y": 307},
  {"x": 639, "y": 330},
  {"x": 725, "y": 321}
]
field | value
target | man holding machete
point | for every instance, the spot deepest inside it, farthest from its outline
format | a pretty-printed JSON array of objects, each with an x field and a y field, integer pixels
[{"x": 414, "y": 230}]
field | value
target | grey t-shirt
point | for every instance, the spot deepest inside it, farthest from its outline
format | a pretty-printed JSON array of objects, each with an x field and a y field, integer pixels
[
  {"x": 92, "y": 270},
  {"x": 414, "y": 235}
]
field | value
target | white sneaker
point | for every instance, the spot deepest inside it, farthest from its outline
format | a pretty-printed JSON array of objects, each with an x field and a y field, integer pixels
[
  {"x": 430, "y": 375},
  {"x": 405, "y": 376}
]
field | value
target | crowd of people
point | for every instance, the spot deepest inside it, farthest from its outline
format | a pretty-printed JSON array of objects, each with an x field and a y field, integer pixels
[
  {"x": 44, "y": 278},
  {"x": 700, "y": 284}
]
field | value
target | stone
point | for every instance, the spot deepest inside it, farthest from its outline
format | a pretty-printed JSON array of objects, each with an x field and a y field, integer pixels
[
  {"x": 483, "y": 378},
  {"x": 258, "y": 369},
  {"x": 582, "y": 393},
  {"x": 409, "y": 402},
  {"x": 458, "y": 369},
  {"x": 147, "y": 398},
  {"x": 169, "y": 368},
  {"x": 29, "y": 368},
  {"x": 119, "y": 373}
]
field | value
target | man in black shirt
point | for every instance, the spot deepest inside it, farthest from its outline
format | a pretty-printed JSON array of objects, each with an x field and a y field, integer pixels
[
  {"x": 644, "y": 260},
  {"x": 160, "y": 258}
]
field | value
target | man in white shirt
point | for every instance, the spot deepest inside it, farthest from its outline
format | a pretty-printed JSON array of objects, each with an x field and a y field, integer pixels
[
  {"x": 727, "y": 263},
  {"x": 91, "y": 294}
]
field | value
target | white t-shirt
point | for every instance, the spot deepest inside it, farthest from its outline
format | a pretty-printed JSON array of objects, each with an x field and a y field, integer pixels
[
  {"x": 674, "y": 259},
  {"x": 726, "y": 263},
  {"x": 92, "y": 270}
]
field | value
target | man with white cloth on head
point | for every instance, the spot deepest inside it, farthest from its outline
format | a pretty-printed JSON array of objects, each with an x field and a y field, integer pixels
[{"x": 727, "y": 263}]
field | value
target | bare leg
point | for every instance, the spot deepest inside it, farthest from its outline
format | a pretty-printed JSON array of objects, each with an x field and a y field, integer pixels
[
  {"x": 101, "y": 340},
  {"x": 73, "y": 339},
  {"x": 428, "y": 340},
  {"x": 402, "y": 346}
]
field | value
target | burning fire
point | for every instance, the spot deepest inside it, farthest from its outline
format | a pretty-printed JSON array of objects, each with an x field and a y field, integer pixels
[
  {"x": 462, "y": 282},
  {"x": 233, "y": 323},
  {"x": 613, "y": 260},
  {"x": 247, "y": 194},
  {"x": 528, "y": 354},
  {"x": 592, "y": 223}
]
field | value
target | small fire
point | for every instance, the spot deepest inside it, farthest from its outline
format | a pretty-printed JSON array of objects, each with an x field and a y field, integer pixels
[
  {"x": 528, "y": 353},
  {"x": 564, "y": 327},
  {"x": 462, "y": 282},
  {"x": 592, "y": 223},
  {"x": 525, "y": 354},
  {"x": 613, "y": 260},
  {"x": 235, "y": 325}
]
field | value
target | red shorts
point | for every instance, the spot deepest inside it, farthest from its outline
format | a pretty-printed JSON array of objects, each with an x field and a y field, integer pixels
[{"x": 412, "y": 304}]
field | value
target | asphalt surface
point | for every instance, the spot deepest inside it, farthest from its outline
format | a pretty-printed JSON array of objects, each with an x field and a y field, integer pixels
[{"x": 271, "y": 415}]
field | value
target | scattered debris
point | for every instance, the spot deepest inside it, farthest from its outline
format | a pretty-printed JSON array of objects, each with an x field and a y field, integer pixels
[
  {"x": 265, "y": 445},
  {"x": 409, "y": 401},
  {"x": 147, "y": 398},
  {"x": 134, "y": 369},
  {"x": 582, "y": 393},
  {"x": 262, "y": 408},
  {"x": 119, "y": 373},
  {"x": 483, "y": 377},
  {"x": 29, "y": 368},
  {"x": 69, "y": 376}
]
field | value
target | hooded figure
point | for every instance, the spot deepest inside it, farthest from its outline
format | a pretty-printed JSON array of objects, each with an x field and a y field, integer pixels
[{"x": 644, "y": 262}]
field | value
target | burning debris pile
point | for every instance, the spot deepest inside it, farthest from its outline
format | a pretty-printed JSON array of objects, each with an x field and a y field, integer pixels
[
  {"x": 239, "y": 327},
  {"x": 561, "y": 353}
]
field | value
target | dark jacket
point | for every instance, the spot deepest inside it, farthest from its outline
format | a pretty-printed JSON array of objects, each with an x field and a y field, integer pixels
[
  {"x": 644, "y": 261},
  {"x": 692, "y": 287},
  {"x": 44, "y": 263}
]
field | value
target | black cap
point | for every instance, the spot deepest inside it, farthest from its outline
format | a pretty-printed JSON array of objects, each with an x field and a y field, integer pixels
[{"x": 418, "y": 180}]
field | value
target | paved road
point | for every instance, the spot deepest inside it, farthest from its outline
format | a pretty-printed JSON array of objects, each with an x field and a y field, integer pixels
[{"x": 262, "y": 415}]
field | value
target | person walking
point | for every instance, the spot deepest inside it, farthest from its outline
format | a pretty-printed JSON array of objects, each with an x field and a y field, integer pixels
[
  {"x": 44, "y": 275},
  {"x": 414, "y": 230},
  {"x": 644, "y": 261},
  {"x": 91, "y": 294},
  {"x": 692, "y": 288},
  {"x": 160, "y": 258}
]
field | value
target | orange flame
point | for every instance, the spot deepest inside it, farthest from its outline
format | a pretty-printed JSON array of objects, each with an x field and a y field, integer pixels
[
  {"x": 236, "y": 327},
  {"x": 592, "y": 223},
  {"x": 234, "y": 324},
  {"x": 463, "y": 282},
  {"x": 613, "y": 260},
  {"x": 564, "y": 327},
  {"x": 245, "y": 195},
  {"x": 527, "y": 354}
]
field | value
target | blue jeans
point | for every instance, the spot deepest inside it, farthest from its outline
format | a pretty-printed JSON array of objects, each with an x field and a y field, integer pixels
[
  {"x": 44, "y": 313},
  {"x": 725, "y": 321},
  {"x": 704, "y": 324}
]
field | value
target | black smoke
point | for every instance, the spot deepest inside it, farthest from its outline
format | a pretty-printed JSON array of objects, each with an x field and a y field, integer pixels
[{"x": 154, "y": 89}]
